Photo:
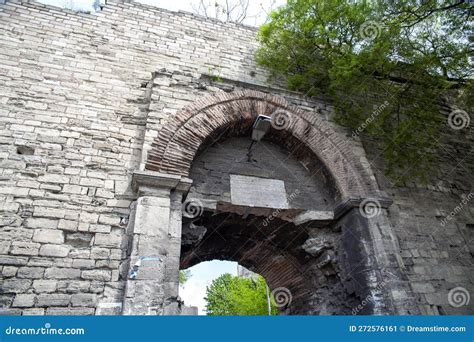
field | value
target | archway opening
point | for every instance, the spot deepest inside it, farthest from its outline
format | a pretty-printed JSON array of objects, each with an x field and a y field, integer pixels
[
  {"x": 220, "y": 287},
  {"x": 294, "y": 211},
  {"x": 273, "y": 214}
]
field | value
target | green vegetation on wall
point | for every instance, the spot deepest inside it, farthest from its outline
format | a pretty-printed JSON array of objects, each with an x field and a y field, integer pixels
[{"x": 385, "y": 64}]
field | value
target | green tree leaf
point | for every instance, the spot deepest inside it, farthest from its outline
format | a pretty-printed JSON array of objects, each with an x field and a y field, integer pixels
[
  {"x": 413, "y": 54},
  {"x": 237, "y": 296}
]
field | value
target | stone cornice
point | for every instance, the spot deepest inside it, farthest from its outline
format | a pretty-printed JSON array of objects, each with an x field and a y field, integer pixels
[
  {"x": 349, "y": 203},
  {"x": 159, "y": 181}
]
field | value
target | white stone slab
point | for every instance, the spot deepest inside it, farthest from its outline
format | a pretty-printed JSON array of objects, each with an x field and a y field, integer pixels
[{"x": 258, "y": 192}]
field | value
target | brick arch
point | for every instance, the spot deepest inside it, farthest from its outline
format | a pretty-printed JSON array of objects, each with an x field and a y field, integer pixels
[{"x": 178, "y": 142}]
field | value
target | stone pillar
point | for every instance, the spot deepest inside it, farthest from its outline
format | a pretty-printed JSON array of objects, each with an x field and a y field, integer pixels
[
  {"x": 372, "y": 258},
  {"x": 153, "y": 276}
]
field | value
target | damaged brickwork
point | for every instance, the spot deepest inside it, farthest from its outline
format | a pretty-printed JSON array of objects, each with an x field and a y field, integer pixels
[{"x": 110, "y": 121}]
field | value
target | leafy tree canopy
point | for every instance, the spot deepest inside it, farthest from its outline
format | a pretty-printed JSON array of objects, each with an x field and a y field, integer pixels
[
  {"x": 385, "y": 64},
  {"x": 237, "y": 296}
]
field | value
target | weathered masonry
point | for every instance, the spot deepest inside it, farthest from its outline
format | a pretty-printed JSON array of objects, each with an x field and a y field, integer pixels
[{"x": 124, "y": 140}]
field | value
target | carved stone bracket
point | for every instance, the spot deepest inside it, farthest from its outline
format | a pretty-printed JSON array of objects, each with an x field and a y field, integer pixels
[
  {"x": 342, "y": 208},
  {"x": 145, "y": 182}
]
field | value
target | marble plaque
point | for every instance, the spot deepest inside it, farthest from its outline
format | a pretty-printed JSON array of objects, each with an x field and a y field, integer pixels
[{"x": 258, "y": 192}]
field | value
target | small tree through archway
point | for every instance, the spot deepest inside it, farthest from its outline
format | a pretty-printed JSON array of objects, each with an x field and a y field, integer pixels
[
  {"x": 231, "y": 295},
  {"x": 228, "y": 290}
]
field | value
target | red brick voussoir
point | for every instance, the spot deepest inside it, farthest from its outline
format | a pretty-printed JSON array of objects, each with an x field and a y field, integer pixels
[{"x": 178, "y": 142}]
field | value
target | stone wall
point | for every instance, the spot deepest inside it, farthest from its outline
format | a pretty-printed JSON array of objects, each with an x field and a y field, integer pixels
[{"x": 82, "y": 98}]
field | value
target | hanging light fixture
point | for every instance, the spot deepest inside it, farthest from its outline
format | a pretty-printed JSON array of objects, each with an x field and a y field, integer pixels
[{"x": 260, "y": 127}]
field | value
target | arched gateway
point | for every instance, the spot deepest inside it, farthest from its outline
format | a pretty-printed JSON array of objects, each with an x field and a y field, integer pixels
[{"x": 289, "y": 210}]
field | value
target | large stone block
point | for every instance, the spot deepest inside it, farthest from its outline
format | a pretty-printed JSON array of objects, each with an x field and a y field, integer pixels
[
  {"x": 54, "y": 250},
  {"x": 10, "y": 220},
  {"x": 9, "y": 271},
  {"x": 53, "y": 299},
  {"x": 143, "y": 297},
  {"x": 24, "y": 248},
  {"x": 62, "y": 273},
  {"x": 4, "y": 247},
  {"x": 41, "y": 223},
  {"x": 152, "y": 216},
  {"x": 100, "y": 253},
  {"x": 83, "y": 263},
  {"x": 88, "y": 217},
  {"x": 84, "y": 299},
  {"x": 74, "y": 286},
  {"x": 70, "y": 225},
  {"x": 45, "y": 285},
  {"x": 108, "y": 240},
  {"x": 15, "y": 285},
  {"x": 152, "y": 246},
  {"x": 30, "y": 272},
  {"x": 12, "y": 260},
  {"x": 109, "y": 220},
  {"x": 24, "y": 300},
  {"x": 48, "y": 236},
  {"x": 101, "y": 275},
  {"x": 49, "y": 212}
]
